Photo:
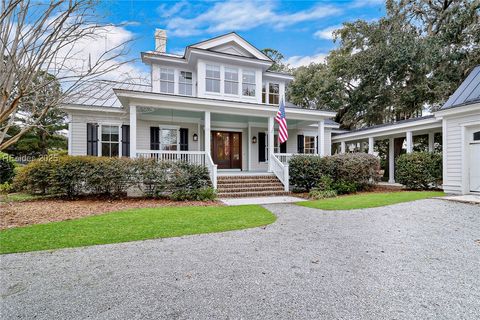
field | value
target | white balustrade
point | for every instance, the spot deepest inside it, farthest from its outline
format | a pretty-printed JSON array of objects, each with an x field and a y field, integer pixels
[{"x": 281, "y": 171}]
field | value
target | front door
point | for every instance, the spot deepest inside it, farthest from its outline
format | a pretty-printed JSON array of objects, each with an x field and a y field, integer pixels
[{"x": 227, "y": 149}]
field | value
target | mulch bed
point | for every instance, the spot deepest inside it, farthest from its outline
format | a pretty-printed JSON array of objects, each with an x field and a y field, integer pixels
[{"x": 15, "y": 214}]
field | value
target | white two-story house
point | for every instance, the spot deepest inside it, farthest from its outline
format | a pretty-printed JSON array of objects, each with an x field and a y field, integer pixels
[{"x": 214, "y": 105}]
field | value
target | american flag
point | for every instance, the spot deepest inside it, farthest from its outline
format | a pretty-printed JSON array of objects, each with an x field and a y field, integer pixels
[{"x": 282, "y": 123}]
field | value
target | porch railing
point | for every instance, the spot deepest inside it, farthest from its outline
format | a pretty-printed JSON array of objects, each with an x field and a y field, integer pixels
[
  {"x": 192, "y": 157},
  {"x": 285, "y": 157},
  {"x": 281, "y": 171},
  {"x": 212, "y": 168}
]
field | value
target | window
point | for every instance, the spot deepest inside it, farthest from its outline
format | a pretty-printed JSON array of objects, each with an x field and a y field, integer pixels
[
  {"x": 273, "y": 93},
  {"x": 168, "y": 139},
  {"x": 309, "y": 144},
  {"x": 167, "y": 80},
  {"x": 185, "y": 83},
  {"x": 476, "y": 136},
  {"x": 212, "y": 78},
  {"x": 231, "y": 81},
  {"x": 264, "y": 92},
  {"x": 110, "y": 138},
  {"x": 248, "y": 83}
]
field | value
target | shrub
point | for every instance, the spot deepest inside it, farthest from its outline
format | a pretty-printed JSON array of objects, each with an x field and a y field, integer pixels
[
  {"x": 345, "y": 187},
  {"x": 344, "y": 173},
  {"x": 112, "y": 177},
  {"x": 35, "y": 177},
  {"x": 7, "y": 168},
  {"x": 202, "y": 194},
  {"x": 360, "y": 169},
  {"x": 5, "y": 187},
  {"x": 419, "y": 170},
  {"x": 305, "y": 171},
  {"x": 152, "y": 176},
  {"x": 317, "y": 194}
]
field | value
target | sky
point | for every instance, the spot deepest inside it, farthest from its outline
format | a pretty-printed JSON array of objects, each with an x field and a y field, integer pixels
[{"x": 300, "y": 30}]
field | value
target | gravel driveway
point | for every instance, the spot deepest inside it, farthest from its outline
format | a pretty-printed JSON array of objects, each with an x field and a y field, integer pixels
[{"x": 418, "y": 260}]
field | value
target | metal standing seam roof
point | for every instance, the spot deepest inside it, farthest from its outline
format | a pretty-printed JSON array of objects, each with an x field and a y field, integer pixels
[
  {"x": 387, "y": 124},
  {"x": 100, "y": 93},
  {"x": 467, "y": 93}
]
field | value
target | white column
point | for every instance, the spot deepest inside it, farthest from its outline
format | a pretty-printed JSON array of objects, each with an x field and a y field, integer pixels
[
  {"x": 249, "y": 148},
  {"x": 321, "y": 137},
  {"x": 70, "y": 128},
  {"x": 207, "y": 135},
  {"x": 431, "y": 141},
  {"x": 342, "y": 147},
  {"x": 371, "y": 142},
  {"x": 133, "y": 131},
  {"x": 270, "y": 142},
  {"x": 391, "y": 161},
  {"x": 409, "y": 142}
]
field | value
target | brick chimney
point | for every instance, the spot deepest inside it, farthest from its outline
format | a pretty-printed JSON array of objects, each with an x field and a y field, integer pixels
[{"x": 160, "y": 40}]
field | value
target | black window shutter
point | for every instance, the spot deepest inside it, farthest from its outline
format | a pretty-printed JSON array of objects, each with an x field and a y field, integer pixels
[
  {"x": 283, "y": 147},
  {"x": 154, "y": 138},
  {"x": 183, "y": 139},
  {"x": 300, "y": 144},
  {"x": 125, "y": 140},
  {"x": 92, "y": 139},
  {"x": 261, "y": 147}
]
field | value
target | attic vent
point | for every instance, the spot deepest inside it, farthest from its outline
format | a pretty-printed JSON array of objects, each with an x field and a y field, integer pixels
[{"x": 161, "y": 40}]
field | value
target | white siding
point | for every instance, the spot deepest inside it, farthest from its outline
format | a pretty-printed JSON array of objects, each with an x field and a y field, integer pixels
[
  {"x": 79, "y": 122},
  {"x": 454, "y": 151},
  {"x": 143, "y": 133}
]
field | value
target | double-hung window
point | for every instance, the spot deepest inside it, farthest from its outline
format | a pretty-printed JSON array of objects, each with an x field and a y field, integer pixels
[
  {"x": 231, "y": 81},
  {"x": 264, "y": 92},
  {"x": 185, "y": 83},
  {"x": 169, "y": 139},
  {"x": 212, "y": 78},
  {"x": 167, "y": 80},
  {"x": 110, "y": 141},
  {"x": 248, "y": 83},
  {"x": 273, "y": 93},
  {"x": 309, "y": 144}
]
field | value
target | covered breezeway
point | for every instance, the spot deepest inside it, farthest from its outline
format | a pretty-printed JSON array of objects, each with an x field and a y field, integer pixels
[{"x": 404, "y": 135}]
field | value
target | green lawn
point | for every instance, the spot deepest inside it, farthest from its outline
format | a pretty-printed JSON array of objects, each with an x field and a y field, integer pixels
[
  {"x": 131, "y": 225},
  {"x": 369, "y": 200}
]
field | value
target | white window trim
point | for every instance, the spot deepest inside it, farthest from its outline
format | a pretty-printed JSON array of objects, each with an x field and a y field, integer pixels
[
  {"x": 169, "y": 127},
  {"x": 185, "y": 83},
  {"x": 237, "y": 82},
  {"x": 250, "y": 83},
  {"x": 168, "y": 81},
  {"x": 275, "y": 133},
  {"x": 99, "y": 134},
  {"x": 219, "y": 79},
  {"x": 268, "y": 91}
]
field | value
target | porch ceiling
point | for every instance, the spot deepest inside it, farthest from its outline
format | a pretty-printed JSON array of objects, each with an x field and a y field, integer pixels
[{"x": 174, "y": 115}]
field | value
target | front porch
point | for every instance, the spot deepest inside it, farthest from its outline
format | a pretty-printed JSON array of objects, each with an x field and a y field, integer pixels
[{"x": 221, "y": 134}]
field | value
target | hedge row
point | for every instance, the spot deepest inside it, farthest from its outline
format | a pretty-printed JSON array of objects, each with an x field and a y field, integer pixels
[
  {"x": 419, "y": 170},
  {"x": 345, "y": 173},
  {"x": 72, "y": 176}
]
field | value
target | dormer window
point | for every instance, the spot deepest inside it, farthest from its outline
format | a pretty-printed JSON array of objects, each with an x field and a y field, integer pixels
[
  {"x": 273, "y": 93},
  {"x": 231, "y": 81},
  {"x": 248, "y": 83},
  {"x": 212, "y": 78},
  {"x": 167, "y": 80},
  {"x": 185, "y": 83}
]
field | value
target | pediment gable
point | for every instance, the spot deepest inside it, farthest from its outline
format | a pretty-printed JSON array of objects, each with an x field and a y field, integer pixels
[{"x": 231, "y": 43}]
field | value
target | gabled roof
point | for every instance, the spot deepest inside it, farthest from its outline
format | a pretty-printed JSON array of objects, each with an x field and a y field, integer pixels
[
  {"x": 467, "y": 93},
  {"x": 231, "y": 43}
]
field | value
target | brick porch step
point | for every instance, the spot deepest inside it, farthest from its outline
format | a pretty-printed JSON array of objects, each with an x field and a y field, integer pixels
[
  {"x": 253, "y": 194},
  {"x": 249, "y": 186}
]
